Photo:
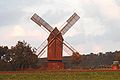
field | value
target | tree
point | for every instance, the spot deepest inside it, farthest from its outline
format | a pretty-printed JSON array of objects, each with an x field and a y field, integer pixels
[
  {"x": 117, "y": 56},
  {"x": 22, "y": 55},
  {"x": 3, "y": 51},
  {"x": 5, "y": 58},
  {"x": 76, "y": 57}
]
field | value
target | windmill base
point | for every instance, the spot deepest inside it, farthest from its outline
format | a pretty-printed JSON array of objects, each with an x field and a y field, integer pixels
[{"x": 55, "y": 65}]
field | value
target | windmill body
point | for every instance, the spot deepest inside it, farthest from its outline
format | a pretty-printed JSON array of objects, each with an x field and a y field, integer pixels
[
  {"x": 55, "y": 41},
  {"x": 55, "y": 49}
]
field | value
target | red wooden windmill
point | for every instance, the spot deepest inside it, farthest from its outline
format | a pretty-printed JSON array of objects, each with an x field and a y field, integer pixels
[{"x": 55, "y": 42}]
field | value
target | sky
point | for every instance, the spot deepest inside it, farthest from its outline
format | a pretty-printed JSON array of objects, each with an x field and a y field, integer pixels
[{"x": 98, "y": 29}]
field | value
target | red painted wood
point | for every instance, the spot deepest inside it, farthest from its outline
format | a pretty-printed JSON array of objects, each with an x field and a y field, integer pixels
[
  {"x": 55, "y": 65},
  {"x": 55, "y": 47},
  {"x": 115, "y": 67}
]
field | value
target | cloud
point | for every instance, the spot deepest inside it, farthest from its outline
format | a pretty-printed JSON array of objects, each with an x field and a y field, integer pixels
[
  {"x": 109, "y": 8},
  {"x": 10, "y": 18},
  {"x": 18, "y": 31},
  {"x": 118, "y": 2},
  {"x": 97, "y": 29},
  {"x": 15, "y": 33},
  {"x": 11, "y": 13},
  {"x": 93, "y": 27}
]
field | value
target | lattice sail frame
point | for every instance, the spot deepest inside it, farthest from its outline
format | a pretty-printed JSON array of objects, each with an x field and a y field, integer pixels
[
  {"x": 70, "y": 22},
  {"x": 42, "y": 22}
]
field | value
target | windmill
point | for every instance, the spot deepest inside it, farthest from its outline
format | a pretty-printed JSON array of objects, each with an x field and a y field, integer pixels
[{"x": 55, "y": 42}]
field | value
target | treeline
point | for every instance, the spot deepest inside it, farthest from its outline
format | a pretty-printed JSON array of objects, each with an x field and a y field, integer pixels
[
  {"x": 87, "y": 61},
  {"x": 19, "y": 56},
  {"x": 92, "y": 60}
]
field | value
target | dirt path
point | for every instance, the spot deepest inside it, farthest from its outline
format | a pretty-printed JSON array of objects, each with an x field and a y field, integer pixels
[{"x": 41, "y": 71}]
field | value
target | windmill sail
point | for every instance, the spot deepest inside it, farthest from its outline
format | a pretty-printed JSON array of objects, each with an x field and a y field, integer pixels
[
  {"x": 68, "y": 48},
  {"x": 41, "y": 49},
  {"x": 40, "y": 22},
  {"x": 70, "y": 22}
]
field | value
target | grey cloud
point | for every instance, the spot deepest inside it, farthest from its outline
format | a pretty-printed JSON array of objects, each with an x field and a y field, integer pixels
[
  {"x": 22, "y": 3},
  {"x": 10, "y": 18},
  {"x": 11, "y": 11},
  {"x": 55, "y": 17},
  {"x": 118, "y": 2},
  {"x": 112, "y": 27},
  {"x": 92, "y": 11},
  {"x": 77, "y": 39}
]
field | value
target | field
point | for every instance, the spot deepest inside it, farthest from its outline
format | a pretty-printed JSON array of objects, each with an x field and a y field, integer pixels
[{"x": 60, "y": 75}]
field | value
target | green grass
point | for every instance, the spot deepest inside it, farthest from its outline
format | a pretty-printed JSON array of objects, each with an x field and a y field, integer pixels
[{"x": 62, "y": 76}]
